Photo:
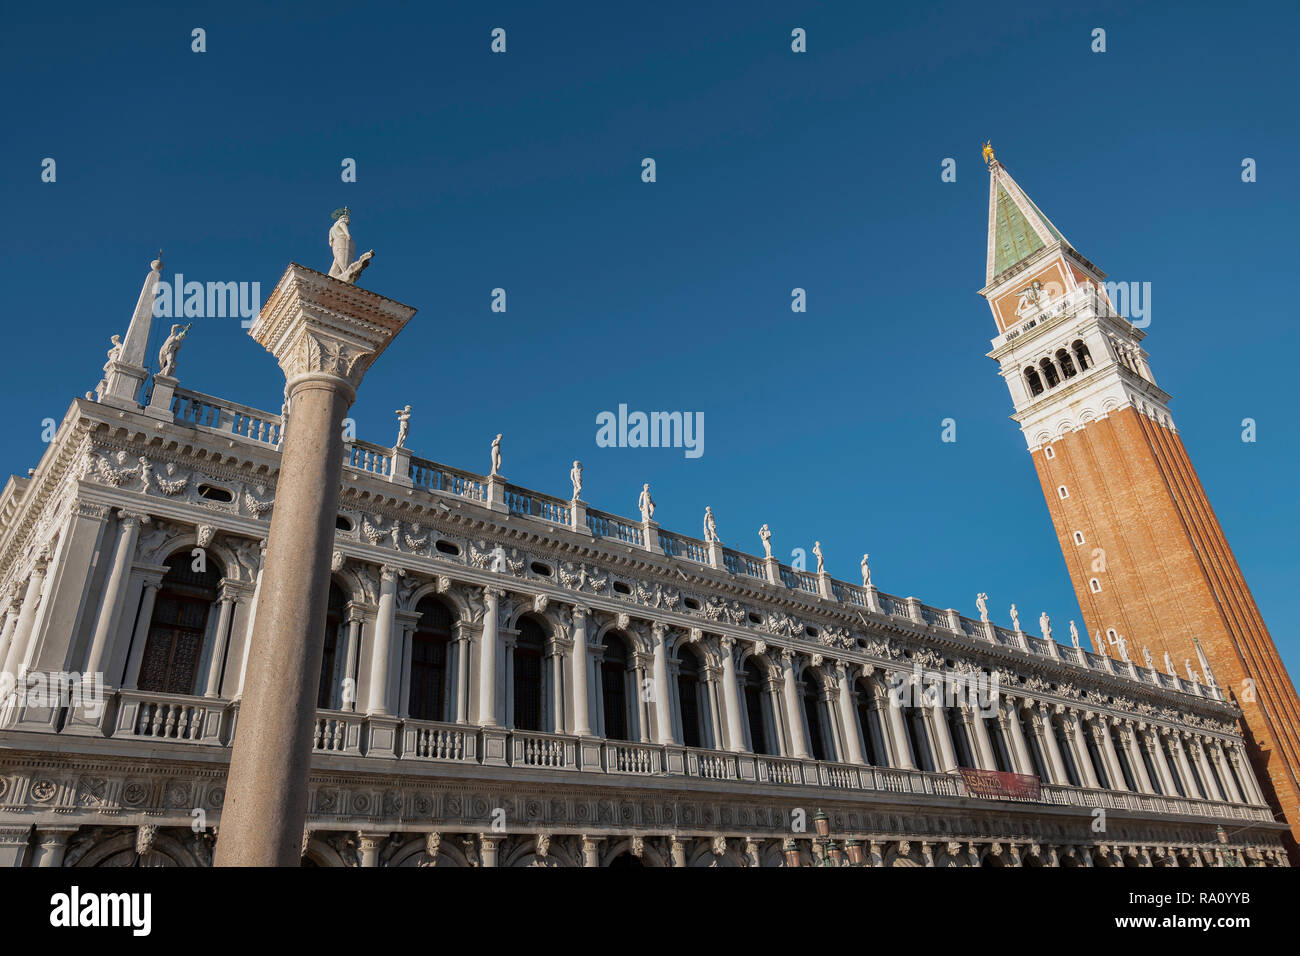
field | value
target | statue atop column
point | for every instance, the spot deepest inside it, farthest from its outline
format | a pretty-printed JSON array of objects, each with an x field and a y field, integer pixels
[
  {"x": 496, "y": 456},
  {"x": 1045, "y": 625},
  {"x": 1146, "y": 656},
  {"x": 981, "y": 601},
  {"x": 1191, "y": 674},
  {"x": 171, "y": 348},
  {"x": 1122, "y": 642},
  {"x": 403, "y": 426},
  {"x": 1169, "y": 665},
  {"x": 866, "y": 571},
  {"x": 821, "y": 560},
  {"x": 765, "y": 534},
  {"x": 575, "y": 476},
  {"x": 1015, "y": 618},
  {"x": 113, "y": 353},
  {"x": 646, "y": 504},
  {"x": 1074, "y": 635},
  {"x": 341, "y": 244},
  {"x": 710, "y": 527}
]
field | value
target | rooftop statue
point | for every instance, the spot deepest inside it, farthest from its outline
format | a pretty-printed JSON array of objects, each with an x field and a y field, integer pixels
[
  {"x": 1074, "y": 634},
  {"x": 403, "y": 426},
  {"x": 821, "y": 560},
  {"x": 496, "y": 456},
  {"x": 646, "y": 504},
  {"x": 765, "y": 535},
  {"x": 981, "y": 602},
  {"x": 343, "y": 247},
  {"x": 575, "y": 476},
  {"x": 989, "y": 158},
  {"x": 1015, "y": 618},
  {"x": 710, "y": 527},
  {"x": 1045, "y": 625},
  {"x": 866, "y": 571},
  {"x": 171, "y": 349}
]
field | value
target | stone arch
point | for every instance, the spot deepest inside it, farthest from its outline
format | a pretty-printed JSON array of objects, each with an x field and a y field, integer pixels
[
  {"x": 320, "y": 853},
  {"x": 118, "y": 849},
  {"x": 522, "y": 852},
  {"x": 217, "y": 551},
  {"x": 455, "y": 598},
  {"x": 650, "y": 854}
]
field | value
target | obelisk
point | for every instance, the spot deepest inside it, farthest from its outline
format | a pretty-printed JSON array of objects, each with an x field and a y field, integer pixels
[{"x": 325, "y": 332}]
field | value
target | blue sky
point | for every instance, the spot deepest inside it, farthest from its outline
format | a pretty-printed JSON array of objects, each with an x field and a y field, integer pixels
[{"x": 775, "y": 171}]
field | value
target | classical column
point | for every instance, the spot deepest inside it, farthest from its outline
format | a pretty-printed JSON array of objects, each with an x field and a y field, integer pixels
[
  {"x": 590, "y": 851},
  {"x": 218, "y": 657},
  {"x": 252, "y": 621},
  {"x": 1128, "y": 736},
  {"x": 368, "y": 848},
  {"x": 663, "y": 696},
  {"x": 140, "y": 637},
  {"x": 487, "y": 850},
  {"x": 1184, "y": 767},
  {"x": 1047, "y": 739},
  {"x": 731, "y": 697},
  {"x": 462, "y": 673},
  {"x": 849, "y": 717},
  {"x": 487, "y": 658},
  {"x": 1014, "y": 732},
  {"x": 351, "y": 660},
  {"x": 128, "y": 533},
  {"x": 1074, "y": 733},
  {"x": 578, "y": 672},
  {"x": 1225, "y": 772},
  {"x": 556, "y": 657},
  {"x": 794, "y": 717},
  {"x": 1198, "y": 748},
  {"x": 325, "y": 333},
  {"x": 382, "y": 649},
  {"x": 947, "y": 755},
  {"x": 1162, "y": 763},
  {"x": 642, "y": 713},
  {"x": 51, "y": 845},
  {"x": 12, "y": 610},
  {"x": 975, "y": 723},
  {"x": 904, "y": 759},
  {"x": 26, "y": 617},
  {"x": 1245, "y": 774},
  {"x": 1106, "y": 744}
]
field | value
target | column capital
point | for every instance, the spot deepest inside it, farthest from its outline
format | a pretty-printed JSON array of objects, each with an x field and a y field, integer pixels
[{"x": 132, "y": 518}]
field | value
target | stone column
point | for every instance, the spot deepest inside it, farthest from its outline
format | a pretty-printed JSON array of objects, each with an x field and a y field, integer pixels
[
  {"x": 1105, "y": 743},
  {"x": 26, "y": 618},
  {"x": 368, "y": 848},
  {"x": 590, "y": 851},
  {"x": 556, "y": 657},
  {"x": 793, "y": 712},
  {"x": 382, "y": 650},
  {"x": 1197, "y": 747},
  {"x": 1162, "y": 762},
  {"x": 141, "y": 635},
  {"x": 128, "y": 533},
  {"x": 252, "y": 620},
  {"x": 677, "y": 852},
  {"x": 325, "y": 334},
  {"x": 487, "y": 850},
  {"x": 1074, "y": 733},
  {"x": 904, "y": 758},
  {"x": 731, "y": 697},
  {"x": 51, "y": 845},
  {"x": 947, "y": 755},
  {"x": 663, "y": 695},
  {"x": 1252, "y": 792},
  {"x": 12, "y": 610},
  {"x": 1015, "y": 733},
  {"x": 462, "y": 673},
  {"x": 849, "y": 717},
  {"x": 578, "y": 671},
  {"x": 1184, "y": 767},
  {"x": 975, "y": 721},
  {"x": 487, "y": 658},
  {"x": 1047, "y": 740},
  {"x": 1225, "y": 773},
  {"x": 351, "y": 660},
  {"x": 1129, "y": 737},
  {"x": 218, "y": 657}
]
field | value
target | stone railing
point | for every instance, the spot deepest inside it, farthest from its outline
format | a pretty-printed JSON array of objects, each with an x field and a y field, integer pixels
[
  {"x": 196, "y": 721},
  {"x": 212, "y": 414}
]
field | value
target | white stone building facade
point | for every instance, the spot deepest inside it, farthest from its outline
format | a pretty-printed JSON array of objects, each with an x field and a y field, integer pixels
[{"x": 515, "y": 679}]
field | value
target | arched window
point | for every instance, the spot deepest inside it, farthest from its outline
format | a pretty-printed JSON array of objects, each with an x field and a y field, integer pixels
[
  {"x": 1049, "y": 373},
  {"x": 1067, "y": 366},
  {"x": 755, "y": 709},
  {"x": 429, "y": 661},
  {"x": 812, "y": 707},
  {"x": 1035, "y": 383},
  {"x": 691, "y": 698},
  {"x": 613, "y": 687},
  {"x": 1082, "y": 354},
  {"x": 529, "y": 648},
  {"x": 1094, "y": 585},
  {"x": 179, "y": 625},
  {"x": 334, "y": 614}
]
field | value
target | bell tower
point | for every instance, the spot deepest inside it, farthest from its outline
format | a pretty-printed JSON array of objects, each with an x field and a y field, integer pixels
[{"x": 1149, "y": 562}]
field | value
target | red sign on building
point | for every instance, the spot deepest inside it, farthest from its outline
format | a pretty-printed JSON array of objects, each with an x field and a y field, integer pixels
[{"x": 996, "y": 785}]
